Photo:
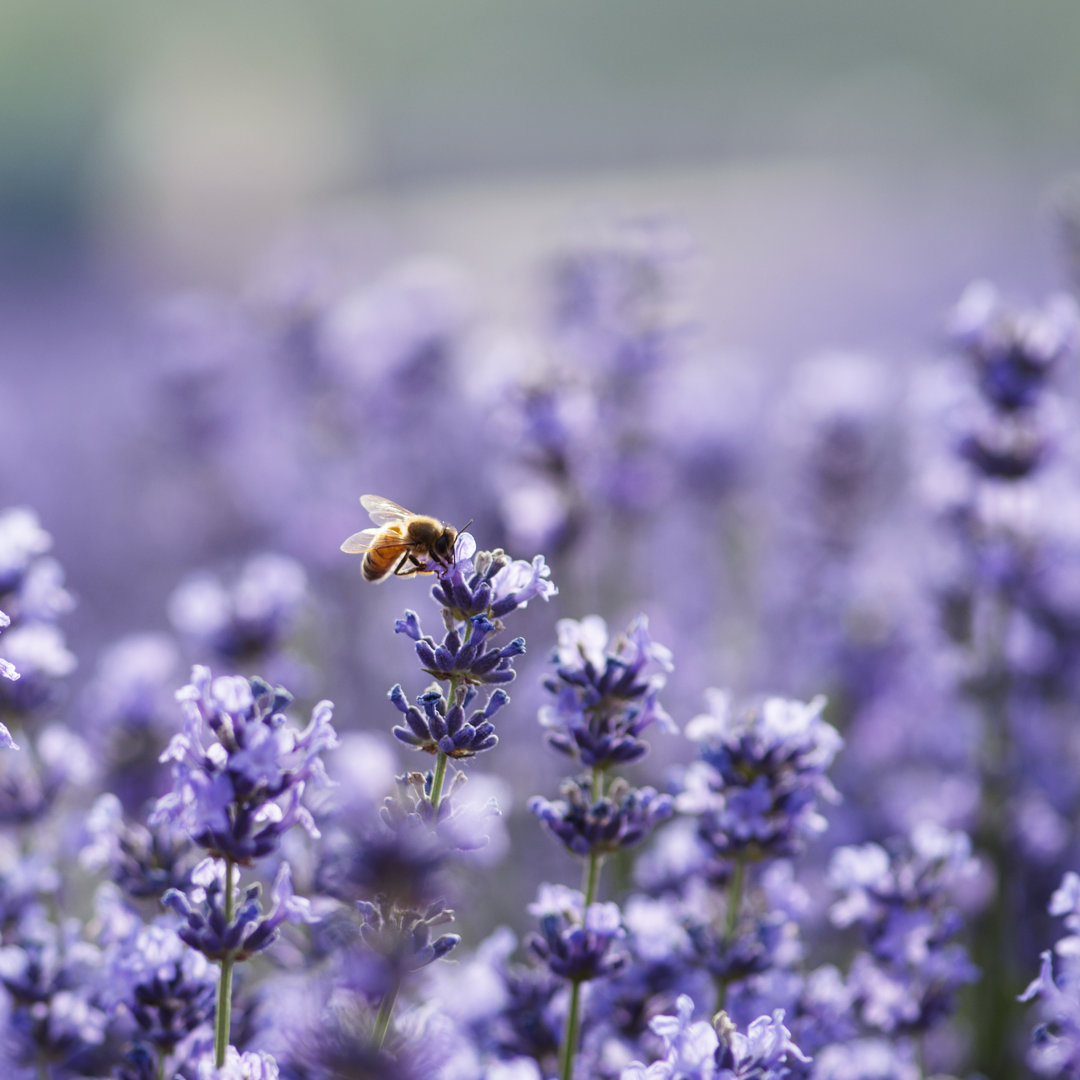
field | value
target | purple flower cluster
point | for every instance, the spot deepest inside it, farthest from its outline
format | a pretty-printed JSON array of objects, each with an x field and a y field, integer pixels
[
  {"x": 905, "y": 902},
  {"x": 619, "y": 819},
  {"x": 761, "y": 776},
  {"x": 1055, "y": 1044},
  {"x": 698, "y": 1050},
  {"x": 236, "y": 758},
  {"x": 604, "y": 700},
  {"x": 476, "y": 591}
]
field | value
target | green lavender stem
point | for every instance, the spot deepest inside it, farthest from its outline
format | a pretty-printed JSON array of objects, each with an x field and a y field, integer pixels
[
  {"x": 995, "y": 993},
  {"x": 572, "y": 1025},
  {"x": 437, "y": 780},
  {"x": 735, "y": 894},
  {"x": 592, "y": 887},
  {"x": 382, "y": 1020},
  {"x": 224, "y": 992}
]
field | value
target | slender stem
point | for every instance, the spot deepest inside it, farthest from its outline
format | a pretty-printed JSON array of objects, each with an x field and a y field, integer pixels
[
  {"x": 994, "y": 994},
  {"x": 597, "y": 784},
  {"x": 224, "y": 993},
  {"x": 731, "y": 923},
  {"x": 572, "y": 1023},
  {"x": 440, "y": 762},
  {"x": 596, "y": 859},
  {"x": 592, "y": 886},
  {"x": 437, "y": 780},
  {"x": 738, "y": 878},
  {"x": 382, "y": 1020},
  {"x": 592, "y": 877}
]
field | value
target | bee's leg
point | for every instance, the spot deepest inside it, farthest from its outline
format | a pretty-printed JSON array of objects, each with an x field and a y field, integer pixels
[
  {"x": 416, "y": 568},
  {"x": 398, "y": 572}
]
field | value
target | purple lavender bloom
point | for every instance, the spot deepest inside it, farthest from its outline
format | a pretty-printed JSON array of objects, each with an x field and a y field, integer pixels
[
  {"x": 690, "y": 1047},
  {"x": 489, "y": 583},
  {"x": 463, "y": 658},
  {"x": 129, "y": 697},
  {"x": 31, "y": 582},
  {"x": 246, "y": 621},
  {"x": 29, "y": 790},
  {"x": 763, "y": 1051},
  {"x": 398, "y": 855},
  {"x": 574, "y": 942},
  {"x": 202, "y": 913},
  {"x": 615, "y": 300},
  {"x": 476, "y": 590},
  {"x": 40, "y": 654},
  {"x": 1014, "y": 352},
  {"x": 26, "y": 881},
  {"x": 128, "y": 711},
  {"x": 510, "y": 1010},
  {"x": 401, "y": 938},
  {"x": 33, "y": 596},
  {"x": 52, "y": 977},
  {"x": 163, "y": 989},
  {"x": 249, "y": 1065},
  {"x": 756, "y": 946},
  {"x": 660, "y": 969},
  {"x": 431, "y": 726},
  {"x": 235, "y": 759},
  {"x": 1055, "y": 1045},
  {"x": 603, "y": 698},
  {"x": 143, "y": 863},
  {"x": 866, "y": 1059},
  {"x": 761, "y": 775},
  {"x": 696, "y": 1050},
  {"x": 904, "y": 902},
  {"x": 425, "y": 1044},
  {"x": 620, "y": 819}
]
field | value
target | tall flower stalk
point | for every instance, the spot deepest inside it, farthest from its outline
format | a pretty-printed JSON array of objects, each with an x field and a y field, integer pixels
[
  {"x": 1005, "y": 597},
  {"x": 452, "y": 720},
  {"x": 240, "y": 771},
  {"x": 605, "y": 697}
]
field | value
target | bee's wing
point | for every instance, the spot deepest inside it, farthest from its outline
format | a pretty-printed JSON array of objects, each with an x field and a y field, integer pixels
[
  {"x": 359, "y": 542},
  {"x": 384, "y": 511},
  {"x": 373, "y": 540}
]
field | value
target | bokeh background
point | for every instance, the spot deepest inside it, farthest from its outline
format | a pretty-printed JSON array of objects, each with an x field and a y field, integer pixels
[
  {"x": 230, "y": 233},
  {"x": 844, "y": 168}
]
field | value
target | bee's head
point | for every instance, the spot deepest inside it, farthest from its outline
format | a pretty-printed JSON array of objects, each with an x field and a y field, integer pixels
[{"x": 444, "y": 545}]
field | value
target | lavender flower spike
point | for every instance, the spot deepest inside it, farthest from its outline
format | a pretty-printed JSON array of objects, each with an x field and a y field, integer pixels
[
  {"x": 622, "y": 818},
  {"x": 576, "y": 943},
  {"x": 761, "y": 775},
  {"x": 604, "y": 699},
  {"x": 239, "y": 770},
  {"x": 202, "y": 913},
  {"x": 1055, "y": 1044},
  {"x": 490, "y": 582},
  {"x": 696, "y": 1050}
]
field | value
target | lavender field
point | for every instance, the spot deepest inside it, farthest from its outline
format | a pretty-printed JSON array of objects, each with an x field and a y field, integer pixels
[{"x": 721, "y": 724}]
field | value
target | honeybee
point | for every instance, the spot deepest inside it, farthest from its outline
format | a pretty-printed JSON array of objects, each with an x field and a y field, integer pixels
[{"x": 399, "y": 541}]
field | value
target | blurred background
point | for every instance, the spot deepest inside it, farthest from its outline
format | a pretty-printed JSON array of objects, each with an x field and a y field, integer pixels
[
  {"x": 843, "y": 171},
  {"x": 655, "y": 289}
]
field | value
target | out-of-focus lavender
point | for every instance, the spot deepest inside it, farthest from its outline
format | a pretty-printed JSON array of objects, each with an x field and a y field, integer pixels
[{"x": 843, "y": 867}]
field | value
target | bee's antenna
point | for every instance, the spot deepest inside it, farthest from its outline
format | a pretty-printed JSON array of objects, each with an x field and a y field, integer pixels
[{"x": 466, "y": 525}]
